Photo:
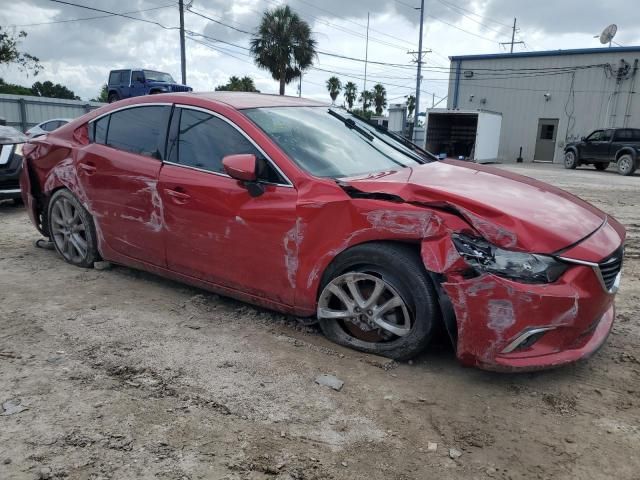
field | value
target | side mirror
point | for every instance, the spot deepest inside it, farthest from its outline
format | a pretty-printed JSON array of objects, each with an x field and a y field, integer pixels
[
  {"x": 243, "y": 167},
  {"x": 583, "y": 139}
]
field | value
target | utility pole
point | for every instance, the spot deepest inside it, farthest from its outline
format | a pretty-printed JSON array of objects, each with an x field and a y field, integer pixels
[
  {"x": 183, "y": 61},
  {"x": 513, "y": 36},
  {"x": 300, "y": 86},
  {"x": 419, "y": 77},
  {"x": 366, "y": 58}
]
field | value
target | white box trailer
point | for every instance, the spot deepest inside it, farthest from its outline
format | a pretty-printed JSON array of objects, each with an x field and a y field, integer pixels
[{"x": 472, "y": 135}]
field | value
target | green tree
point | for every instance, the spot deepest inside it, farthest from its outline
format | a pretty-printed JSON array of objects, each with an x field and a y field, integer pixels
[
  {"x": 236, "y": 84},
  {"x": 350, "y": 93},
  {"x": 50, "y": 90},
  {"x": 10, "y": 53},
  {"x": 103, "y": 96},
  {"x": 411, "y": 104},
  {"x": 283, "y": 45},
  {"x": 379, "y": 97},
  {"x": 362, "y": 113},
  {"x": 334, "y": 86},
  {"x": 365, "y": 98},
  {"x": 12, "y": 89}
]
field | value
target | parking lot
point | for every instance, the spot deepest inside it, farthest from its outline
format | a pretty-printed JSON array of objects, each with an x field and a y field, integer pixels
[{"x": 126, "y": 375}]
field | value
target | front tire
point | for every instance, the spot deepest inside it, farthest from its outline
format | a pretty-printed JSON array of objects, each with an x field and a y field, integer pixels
[
  {"x": 72, "y": 230},
  {"x": 570, "y": 160},
  {"x": 377, "y": 298},
  {"x": 601, "y": 166},
  {"x": 626, "y": 165}
]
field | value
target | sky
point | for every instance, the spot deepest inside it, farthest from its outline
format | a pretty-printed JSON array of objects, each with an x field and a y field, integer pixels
[{"x": 78, "y": 51}]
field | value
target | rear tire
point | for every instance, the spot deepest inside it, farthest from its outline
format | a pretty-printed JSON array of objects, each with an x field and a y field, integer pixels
[
  {"x": 570, "y": 160},
  {"x": 601, "y": 166},
  {"x": 399, "y": 321},
  {"x": 627, "y": 165},
  {"x": 72, "y": 230},
  {"x": 113, "y": 97}
]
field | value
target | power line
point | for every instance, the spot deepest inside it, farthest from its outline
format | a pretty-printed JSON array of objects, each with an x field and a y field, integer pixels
[
  {"x": 115, "y": 14},
  {"x": 88, "y": 18}
]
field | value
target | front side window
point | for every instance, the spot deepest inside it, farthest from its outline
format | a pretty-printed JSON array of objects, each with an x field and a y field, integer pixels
[
  {"x": 324, "y": 145},
  {"x": 139, "y": 130},
  {"x": 100, "y": 130},
  {"x": 596, "y": 136},
  {"x": 606, "y": 135},
  {"x": 204, "y": 140}
]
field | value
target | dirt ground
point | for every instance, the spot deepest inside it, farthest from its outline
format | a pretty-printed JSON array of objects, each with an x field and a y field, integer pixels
[{"x": 129, "y": 376}]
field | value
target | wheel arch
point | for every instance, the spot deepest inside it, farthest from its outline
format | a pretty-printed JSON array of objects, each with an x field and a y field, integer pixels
[
  {"x": 624, "y": 151},
  {"x": 445, "y": 305}
]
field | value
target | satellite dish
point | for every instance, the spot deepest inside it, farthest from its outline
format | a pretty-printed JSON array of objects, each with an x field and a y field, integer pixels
[{"x": 608, "y": 33}]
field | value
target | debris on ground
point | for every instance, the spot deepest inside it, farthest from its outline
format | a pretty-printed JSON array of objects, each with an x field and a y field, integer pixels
[
  {"x": 432, "y": 446},
  {"x": 330, "y": 381},
  {"x": 44, "y": 244},
  {"x": 454, "y": 453},
  {"x": 102, "y": 265},
  {"x": 12, "y": 407}
]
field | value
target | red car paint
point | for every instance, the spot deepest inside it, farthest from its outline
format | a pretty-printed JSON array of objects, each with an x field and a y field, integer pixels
[{"x": 272, "y": 250}]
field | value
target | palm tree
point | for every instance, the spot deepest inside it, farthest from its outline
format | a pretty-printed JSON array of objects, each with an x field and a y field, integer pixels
[
  {"x": 379, "y": 98},
  {"x": 283, "y": 45},
  {"x": 350, "y": 93},
  {"x": 366, "y": 97},
  {"x": 236, "y": 84},
  {"x": 247, "y": 84},
  {"x": 334, "y": 85},
  {"x": 411, "y": 104}
]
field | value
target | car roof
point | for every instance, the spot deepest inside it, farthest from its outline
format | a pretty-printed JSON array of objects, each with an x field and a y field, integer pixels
[{"x": 242, "y": 100}]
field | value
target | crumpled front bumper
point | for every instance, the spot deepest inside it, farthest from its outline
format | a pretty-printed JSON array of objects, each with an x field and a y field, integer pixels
[{"x": 506, "y": 325}]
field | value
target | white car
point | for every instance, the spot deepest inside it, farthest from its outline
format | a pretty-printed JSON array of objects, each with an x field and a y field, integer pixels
[{"x": 47, "y": 126}]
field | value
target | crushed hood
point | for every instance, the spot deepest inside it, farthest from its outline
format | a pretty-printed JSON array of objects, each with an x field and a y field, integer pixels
[{"x": 510, "y": 210}]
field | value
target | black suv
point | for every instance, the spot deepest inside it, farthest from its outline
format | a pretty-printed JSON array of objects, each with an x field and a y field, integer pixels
[{"x": 620, "y": 145}]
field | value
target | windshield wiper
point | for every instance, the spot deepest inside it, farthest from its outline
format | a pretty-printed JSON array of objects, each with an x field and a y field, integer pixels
[{"x": 350, "y": 123}]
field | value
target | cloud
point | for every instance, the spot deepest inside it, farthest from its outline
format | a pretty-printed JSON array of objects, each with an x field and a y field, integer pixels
[{"x": 79, "y": 54}]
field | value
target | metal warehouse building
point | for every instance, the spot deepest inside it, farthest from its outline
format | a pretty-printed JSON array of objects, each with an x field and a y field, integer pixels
[{"x": 549, "y": 98}]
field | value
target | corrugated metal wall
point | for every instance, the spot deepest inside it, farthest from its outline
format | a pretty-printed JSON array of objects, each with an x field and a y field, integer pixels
[
  {"x": 23, "y": 112},
  {"x": 583, "y": 94}
]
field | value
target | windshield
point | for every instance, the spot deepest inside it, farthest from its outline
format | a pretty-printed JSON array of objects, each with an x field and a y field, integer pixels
[
  {"x": 152, "y": 76},
  {"x": 331, "y": 142}
]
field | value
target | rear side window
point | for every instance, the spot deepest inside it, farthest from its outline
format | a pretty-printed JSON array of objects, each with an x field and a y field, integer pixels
[
  {"x": 139, "y": 130},
  {"x": 204, "y": 140},
  {"x": 628, "y": 135},
  {"x": 124, "y": 77},
  {"x": 114, "y": 78}
]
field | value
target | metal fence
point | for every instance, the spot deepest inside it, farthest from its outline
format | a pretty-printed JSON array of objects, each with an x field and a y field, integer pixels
[{"x": 23, "y": 112}]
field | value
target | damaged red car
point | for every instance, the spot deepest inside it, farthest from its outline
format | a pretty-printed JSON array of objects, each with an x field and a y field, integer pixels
[{"x": 306, "y": 209}]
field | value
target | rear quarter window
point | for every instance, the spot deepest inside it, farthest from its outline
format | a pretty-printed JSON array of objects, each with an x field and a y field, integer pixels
[{"x": 114, "y": 78}]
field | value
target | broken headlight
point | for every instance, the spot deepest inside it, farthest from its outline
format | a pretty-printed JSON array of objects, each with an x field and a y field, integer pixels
[{"x": 523, "y": 267}]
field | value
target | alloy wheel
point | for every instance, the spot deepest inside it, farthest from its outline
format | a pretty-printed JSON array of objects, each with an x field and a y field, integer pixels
[
  {"x": 68, "y": 230},
  {"x": 569, "y": 160},
  {"x": 369, "y": 308}
]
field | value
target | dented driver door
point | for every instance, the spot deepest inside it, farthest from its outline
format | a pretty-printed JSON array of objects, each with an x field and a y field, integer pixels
[{"x": 215, "y": 230}]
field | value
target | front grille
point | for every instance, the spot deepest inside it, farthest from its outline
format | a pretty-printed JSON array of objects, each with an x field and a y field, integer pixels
[
  {"x": 180, "y": 88},
  {"x": 610, "y": 267}
]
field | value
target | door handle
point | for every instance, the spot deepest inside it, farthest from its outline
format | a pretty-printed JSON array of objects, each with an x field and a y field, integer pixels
[
  {"x": 88, "y": 168},
  {"x": 178, "y": 196}
]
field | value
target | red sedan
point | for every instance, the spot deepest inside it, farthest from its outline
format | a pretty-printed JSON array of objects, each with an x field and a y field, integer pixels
[{"x": 306, "y": 209}]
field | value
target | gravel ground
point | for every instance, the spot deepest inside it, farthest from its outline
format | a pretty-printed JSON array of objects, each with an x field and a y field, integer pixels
[{"x": 126, "y": 375}]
